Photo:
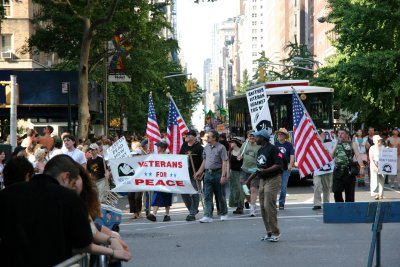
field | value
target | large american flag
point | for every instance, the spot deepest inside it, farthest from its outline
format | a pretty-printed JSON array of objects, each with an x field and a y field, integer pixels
[
  {"x": 152, "y": 130},
  {"x": 310, "y": 153},
  {"x": 176, "y": 128}
]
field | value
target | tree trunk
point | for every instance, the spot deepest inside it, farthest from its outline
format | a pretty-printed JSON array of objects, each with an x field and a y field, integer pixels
[{"x": 83, "y": 93}]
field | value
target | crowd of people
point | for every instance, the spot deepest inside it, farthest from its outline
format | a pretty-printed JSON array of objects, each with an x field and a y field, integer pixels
[{"x": 42, "y": 170}]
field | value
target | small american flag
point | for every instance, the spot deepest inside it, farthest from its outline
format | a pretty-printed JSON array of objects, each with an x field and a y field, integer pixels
[
  {"x": 176, "y": 128},
  {"x": 152, "y": 130},
  {"x": 310, "y": 153}
]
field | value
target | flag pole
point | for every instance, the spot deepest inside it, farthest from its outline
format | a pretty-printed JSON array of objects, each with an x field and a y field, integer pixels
[{"x": 301, "y": 103}]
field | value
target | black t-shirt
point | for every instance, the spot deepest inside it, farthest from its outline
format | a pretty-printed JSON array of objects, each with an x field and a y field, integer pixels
[
  {"x": 96, "y": 167},
  {"x": 267, "y": 156},
  {"x": 197, "y": 155},
  {"x": 41, "y": 221}
]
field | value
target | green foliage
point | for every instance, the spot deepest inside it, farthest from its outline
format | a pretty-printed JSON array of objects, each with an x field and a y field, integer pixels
[
  {"x": 243, "y": 85},
  {"x": 270, "y": 73},
  {"x": 146, "y": 60},
  {"x": 365, "y": 72}
]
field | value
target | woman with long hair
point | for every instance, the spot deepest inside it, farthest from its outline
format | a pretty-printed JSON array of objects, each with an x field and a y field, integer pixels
[
  {"x": 236, "y": 197},
  {"x": 113, "y": 246},
  {"x": 360, "y": 142}
]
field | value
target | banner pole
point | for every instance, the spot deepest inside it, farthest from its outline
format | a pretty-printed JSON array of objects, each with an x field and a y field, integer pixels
[
  {"x": 199, "y": 189},
  {"x": 245, "y": 145}
]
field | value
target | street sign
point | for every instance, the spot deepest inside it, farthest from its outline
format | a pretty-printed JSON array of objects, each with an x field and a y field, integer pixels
[{"x": 64, "y": 87}]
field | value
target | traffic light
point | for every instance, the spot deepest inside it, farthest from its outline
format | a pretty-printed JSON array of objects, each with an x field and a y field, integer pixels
[
  {"x": 191, "y": 86},
  {"x": 262, "y": 74}
]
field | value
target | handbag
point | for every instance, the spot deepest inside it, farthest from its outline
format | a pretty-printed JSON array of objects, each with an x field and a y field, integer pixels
[{"x": 353, "y": 166}]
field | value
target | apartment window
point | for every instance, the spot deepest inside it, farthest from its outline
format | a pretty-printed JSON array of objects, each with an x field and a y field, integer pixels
[
  {"x": 254, "y": 46},
  {"x": 261, "y": 14},
  {"x": 7, "y": 7},
  {"x": 261, "y": 22},
  {"x": 254, "y": 38},
  {"x": 254, "y": 31},
  {"x": 254, "y": 7},
  {"x": 261, "y": 30},
  {"x": 254, "y": 1},
  {"x": 262, "y": 46},
  {"x": 6, "y": 42},
  {"x": 254, "y": 70},
  {"x": 254, "y": 23},
  {"x": 254, "y": 15},
  {"x": 254, "y": 54}
]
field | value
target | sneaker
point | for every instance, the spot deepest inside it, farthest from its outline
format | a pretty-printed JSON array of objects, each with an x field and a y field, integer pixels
[
  {"x": 167, "y": 218},
  {"x": 151, "y": 217},
  {"x": 253, "y": 213},
  {"x": 392, "y": 186},
  {"x": 205, "y": 220},
  {"x": 281, "y": 206},
  {"x": 247, "y": 205},
  {"x": 224, "y": 217},
  {"x": 190, "y": 218},
  {"x": 316, "y": 208},
  {"x": 274, "y": 238},
  {"x": 267, "y": 237},
  {"x": 238, "y": 211}
]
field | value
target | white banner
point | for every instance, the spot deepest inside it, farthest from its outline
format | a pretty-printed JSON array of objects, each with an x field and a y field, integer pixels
[
  {"x": 263, "y": 119},
  {"x": 154, "y": 172},
  {"x": 255, "y": 100},
  {"x": 387, "y": 164},
  {"x": 119, "y": 149}
]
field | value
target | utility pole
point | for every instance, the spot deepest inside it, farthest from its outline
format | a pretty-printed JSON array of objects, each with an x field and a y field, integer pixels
[{"x": 13, "y": 112}]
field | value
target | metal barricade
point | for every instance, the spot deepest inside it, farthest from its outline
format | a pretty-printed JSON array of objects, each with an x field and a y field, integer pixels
[
  {"x": 79, "y": 260},
  {"x": 83, "y": 260}
]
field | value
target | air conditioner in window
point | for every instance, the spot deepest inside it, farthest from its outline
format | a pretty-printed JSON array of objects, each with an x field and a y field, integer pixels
[{"x": 6, "y": 55}]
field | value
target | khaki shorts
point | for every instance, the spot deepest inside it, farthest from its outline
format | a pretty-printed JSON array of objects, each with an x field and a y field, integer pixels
[{"x": 245, "y": 175}]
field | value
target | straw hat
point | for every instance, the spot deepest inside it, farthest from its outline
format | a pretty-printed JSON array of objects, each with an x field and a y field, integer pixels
[{"x": 282, "y": 131}]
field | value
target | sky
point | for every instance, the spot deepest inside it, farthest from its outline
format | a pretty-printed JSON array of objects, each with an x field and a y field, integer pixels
[{"x": 195, "y": 24}]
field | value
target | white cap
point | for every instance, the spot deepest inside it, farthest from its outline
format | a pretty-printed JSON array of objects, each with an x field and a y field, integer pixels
[
  {"x": 93, "y": 146},
  {"x": 376, "y": 138}
]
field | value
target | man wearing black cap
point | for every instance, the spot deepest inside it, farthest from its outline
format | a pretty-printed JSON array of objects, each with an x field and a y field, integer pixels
[
  {"x": 195, "y": 151},
  {"x": 269, "y": 169}
]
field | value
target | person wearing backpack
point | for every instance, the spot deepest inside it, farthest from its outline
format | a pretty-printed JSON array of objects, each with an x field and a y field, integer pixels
[{"x": 286, "y": 148}]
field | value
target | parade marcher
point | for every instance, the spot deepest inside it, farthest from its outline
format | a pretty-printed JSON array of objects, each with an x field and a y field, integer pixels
[
  {"x": 30, "y": 138},
  {"x": 236, "y": 196},
  {"x": 72, "y": 151},
  {"x": 195, "y": 151},
  {"x": 287, "y": 151},
  {"x": 361, "y": 143},
  {"x": 98, "y": 169},
  {"x": 161, "y": 199},
  {"x": 322, "y": 178},
  {"x": 394, "y": 142},
  {"x": 377, "y": 181},
  {"x": 42, "y": 236},
  {"x": 343, "y": 176},
  {"x": 269, "y": 170},
  {"x": 215, "y": 165},
  {"x": 40, "y": 160},
  {"x": 249, "y": 154}
]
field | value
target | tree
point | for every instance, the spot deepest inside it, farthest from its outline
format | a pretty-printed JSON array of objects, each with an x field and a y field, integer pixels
[
  {"x": 268, "y": 71},
  {"x": 243, "y": 85},
  {"x": 91, "y": 15},
  {"x": 365, "y": 71},
  {"x": 146, "y": 60}
]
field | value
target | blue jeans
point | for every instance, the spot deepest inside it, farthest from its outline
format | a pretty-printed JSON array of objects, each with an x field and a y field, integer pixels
[
  {"x": 212, "y": 184},
  {"x": 285, "y": 179},
  {"x": 192, "y": 201}
]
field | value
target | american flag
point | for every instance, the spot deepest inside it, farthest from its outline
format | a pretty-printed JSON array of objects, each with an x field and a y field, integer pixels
[
  {"x": 176, "y": 128},
  {"x": 152, "y": 130},
  {"x": 310, "y": 153}
]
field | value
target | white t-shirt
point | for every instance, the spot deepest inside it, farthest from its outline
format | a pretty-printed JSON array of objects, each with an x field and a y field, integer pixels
[
  {"x": 77, "y": 155},
  {"x": 55, "y": 152}
]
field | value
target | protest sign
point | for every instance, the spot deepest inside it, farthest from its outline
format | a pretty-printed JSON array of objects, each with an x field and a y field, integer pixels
[
  {"x": 255, "y": 100},
  {"x": 119, "y": 149},
  {"x": 154, "y": 172},
  {"x": 387, "y": 164}
]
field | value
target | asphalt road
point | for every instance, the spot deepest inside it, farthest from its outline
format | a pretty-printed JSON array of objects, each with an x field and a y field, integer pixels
[{"x": 305, "y": 241}]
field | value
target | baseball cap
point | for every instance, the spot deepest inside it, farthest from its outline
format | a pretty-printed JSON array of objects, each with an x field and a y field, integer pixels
[
  {"x": 264, "y": 133},
  {"x": 161, "y": 144},
  {"x": 93, "y": 146},
  {"x": 191, "y": 132},
  {"x": 376, "y": 138}
]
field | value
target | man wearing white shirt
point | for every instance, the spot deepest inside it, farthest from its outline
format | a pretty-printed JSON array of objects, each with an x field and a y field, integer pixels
[{"x": 72, "y": 151}]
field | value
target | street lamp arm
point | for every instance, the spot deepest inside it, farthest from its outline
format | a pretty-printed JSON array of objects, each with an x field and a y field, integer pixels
[
  {"x": 290, "y": 66},
  {"x": 177, "y": 75}
]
